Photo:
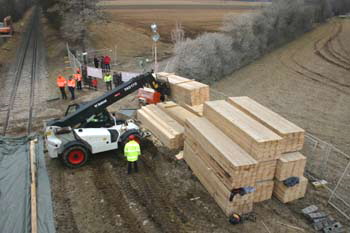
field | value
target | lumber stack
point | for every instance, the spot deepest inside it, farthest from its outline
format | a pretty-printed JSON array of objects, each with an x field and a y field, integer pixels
[
  {"x": 259, "y": 141},
  {"x": 219, "y": 163},
  {"x": 196, "y": 109},
  {"x": 264, "y": 190},
  {"x": 293, "y": 136},
  {"x": 185, "y": 91},
  {"x": 165, "y": 128},
  {"x": 290, "y": 164},
  {"x": 287, "y": 194}
]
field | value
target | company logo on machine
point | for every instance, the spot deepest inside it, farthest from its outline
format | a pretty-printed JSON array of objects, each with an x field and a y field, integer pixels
[
  {"x": 130, "y": 86},
  {"x": 118, "y": 94},
  {"x": 101, "y": 103}
]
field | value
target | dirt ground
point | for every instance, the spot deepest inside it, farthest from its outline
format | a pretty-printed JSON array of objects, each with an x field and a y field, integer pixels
[
  {"x": 129, "y": 30},
  {"x": 164, "y": 196}
]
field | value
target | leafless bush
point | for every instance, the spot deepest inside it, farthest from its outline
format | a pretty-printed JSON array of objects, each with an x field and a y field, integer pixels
[
  {"x": 178, "y": 33},
  {"x": 244, "y": 38}
]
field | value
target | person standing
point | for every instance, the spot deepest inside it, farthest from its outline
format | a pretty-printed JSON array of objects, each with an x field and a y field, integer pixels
[
  {"x": 102, "y": 63},
  {"x": 132, "y": 152},
  {"x": 116, "y": 79},
  {"x": 71, "y": 86},
  {"x": 107, "y": 62},
  {"x": 108, "y": 80},
  {"x": 96, "y": 62},
  {"x": 61, "y": 83},
  {"x": 78, "y": 78},
  {"x": 94, "y": 84}
]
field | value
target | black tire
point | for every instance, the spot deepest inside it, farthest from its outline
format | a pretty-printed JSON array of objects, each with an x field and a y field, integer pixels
[{"x": 75, "y": 156}]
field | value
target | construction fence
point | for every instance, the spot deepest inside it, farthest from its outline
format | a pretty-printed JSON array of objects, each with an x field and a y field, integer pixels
[{"x": 326, "y": 162}]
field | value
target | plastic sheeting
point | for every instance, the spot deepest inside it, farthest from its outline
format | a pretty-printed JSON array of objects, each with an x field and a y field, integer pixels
[{"x": 15, "y": 207}]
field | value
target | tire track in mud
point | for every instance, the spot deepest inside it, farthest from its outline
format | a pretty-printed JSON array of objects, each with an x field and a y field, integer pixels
[
  {"x": 311, "y": 74},
  {"x": 150, "y": 194},
  {"x": 335, "y": 57},
  {"x": 65, "y": 221}
]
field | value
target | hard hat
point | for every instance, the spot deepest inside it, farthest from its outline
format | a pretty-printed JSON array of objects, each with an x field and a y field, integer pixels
[{"x": 131, "y": 137}]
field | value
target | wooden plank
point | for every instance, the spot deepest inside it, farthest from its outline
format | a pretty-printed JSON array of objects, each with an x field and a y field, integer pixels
[
  {"x": 259, "y": 141},
  {"x": 264, "y": 190},
  {"x": 287, "y": 194},
  {"x": 266, "y": 170},
  {"x": 166, "y": 129},
  {"x": 33, "y": 199},
  {"x": 225, "y": 151},
  {"x": 232, "y": 178},
  {"x": 240, "y": 204},
  {"x": 175, "y": 111},
  {"x": 293, "y": 136},
  {"x": 196, "y": 109},
  {"x": 290, "y": 164}
]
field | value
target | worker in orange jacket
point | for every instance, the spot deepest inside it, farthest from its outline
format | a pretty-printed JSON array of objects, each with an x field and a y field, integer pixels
[
  {"x": 78, "y": 77},
  {"x": 61, "y": 83},
  {"x": 71, "y": 86}
]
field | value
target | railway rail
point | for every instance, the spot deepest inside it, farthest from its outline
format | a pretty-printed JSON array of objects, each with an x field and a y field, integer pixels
[{"x": 21, "y": 96}]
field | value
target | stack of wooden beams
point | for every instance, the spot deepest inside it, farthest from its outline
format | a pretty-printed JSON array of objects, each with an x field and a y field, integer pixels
[
  {"x": 293, "y": 136},
  {"x": 165, "y": 128},
  {"x": 186, "y": 91},
  {"x": 220, "y": 164},
  {"x": 291, "y": 163}
]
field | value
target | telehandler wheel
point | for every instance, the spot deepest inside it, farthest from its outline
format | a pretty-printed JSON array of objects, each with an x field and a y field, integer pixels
[{"x": 75, "y": 156}]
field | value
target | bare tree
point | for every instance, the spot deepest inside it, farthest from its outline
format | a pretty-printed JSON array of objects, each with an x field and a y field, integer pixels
[{"x": 177, "y": 34}]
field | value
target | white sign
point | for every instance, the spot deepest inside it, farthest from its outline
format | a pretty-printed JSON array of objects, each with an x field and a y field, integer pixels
[
  {"x": 94, "y": 72},
  {"x": 126, "y": 76}
]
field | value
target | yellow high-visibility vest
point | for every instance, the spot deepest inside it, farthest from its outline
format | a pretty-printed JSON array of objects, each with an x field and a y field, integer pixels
[{"x": 132, "y": 151}]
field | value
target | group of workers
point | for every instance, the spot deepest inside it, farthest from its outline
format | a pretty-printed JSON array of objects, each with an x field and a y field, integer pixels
[
  {"x": 73, "y": 82},
  {"x": 103, "y": 63}
]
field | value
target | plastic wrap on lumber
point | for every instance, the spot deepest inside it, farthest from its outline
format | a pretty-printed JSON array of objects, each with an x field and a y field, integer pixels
[
  {"x": 166, "y": 129},
  {"x": 240, "y": 204},
  {"x": 287, "y": 194},
  {"x": 177, "y": 112},
  {"x": 264, "y": 190},
  {"x": 293, "y": 135},
  {"x": 225, "y": 151},
  {"x": 290, "y": 164},
  {"x": 259, "y": 141}
]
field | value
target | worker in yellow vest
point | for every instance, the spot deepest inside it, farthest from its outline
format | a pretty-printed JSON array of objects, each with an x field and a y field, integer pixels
[
  {"x": 108, "y": 80},
  {"x": 71, "y": 86},
  {"x": 61, "y": 83},
  {"x": 132, "y": 152},
  {"x": 78, "y": 77}
]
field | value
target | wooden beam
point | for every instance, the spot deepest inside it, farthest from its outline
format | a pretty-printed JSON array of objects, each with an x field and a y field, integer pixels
[{"x": 34, "y": 216}]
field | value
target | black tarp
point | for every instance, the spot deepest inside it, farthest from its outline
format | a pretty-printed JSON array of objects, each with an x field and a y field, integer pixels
[{"x": 15, "y": 187}]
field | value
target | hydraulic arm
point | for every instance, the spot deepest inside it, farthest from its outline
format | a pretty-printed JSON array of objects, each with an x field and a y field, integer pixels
[{"x": 98, "y": 105}]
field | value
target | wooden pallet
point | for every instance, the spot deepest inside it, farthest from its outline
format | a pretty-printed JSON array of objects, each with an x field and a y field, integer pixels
[
  {"x": 259, "y": 141},
  {"x": 287, "y": 194},
  {"x": 264, "y": 190},
  {"x": 177, "y": 112},
  {"x": 266, "y": 170},
  {"x": 220, "y": 193},
  {"x": 290, "y": 164},
  {"x": 293, "y": 136},
  {"x": 231, "y": 157},
  {"x": 166, "y": 129}
]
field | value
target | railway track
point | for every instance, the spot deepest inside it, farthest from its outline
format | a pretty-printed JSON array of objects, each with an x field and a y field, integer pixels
[{"x": 20, "y": 90}]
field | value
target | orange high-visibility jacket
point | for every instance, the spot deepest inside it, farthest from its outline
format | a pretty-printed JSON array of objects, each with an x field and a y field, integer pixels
[
  {"x": 77, "y": 77},
  {"x": 71, "y": 83},
  {"x": 61, "y": 81}
]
